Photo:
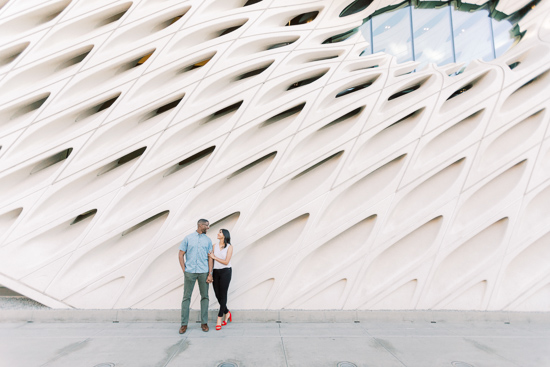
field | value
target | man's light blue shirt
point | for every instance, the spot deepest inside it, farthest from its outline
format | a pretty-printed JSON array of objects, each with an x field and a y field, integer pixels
[{"x": 196, "y": 247}]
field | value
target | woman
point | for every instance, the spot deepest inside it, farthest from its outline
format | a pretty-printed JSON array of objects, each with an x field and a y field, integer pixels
[{"x": 221, "y": 255}]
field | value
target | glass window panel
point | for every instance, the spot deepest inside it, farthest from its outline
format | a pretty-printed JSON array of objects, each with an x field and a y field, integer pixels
[
  {"x": 392, "y": 34},
  {"x": 503, "y": 36},
  {"x": 365, "y": 30},
  {"x": 432, "y": 36},
  {"x": 473, "y": 36}
]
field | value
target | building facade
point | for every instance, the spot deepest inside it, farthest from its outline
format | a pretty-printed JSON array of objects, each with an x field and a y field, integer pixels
[{"x": 364, "y": 154}]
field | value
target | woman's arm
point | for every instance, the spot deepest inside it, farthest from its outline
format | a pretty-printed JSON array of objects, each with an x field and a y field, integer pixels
[{"x": 227, "y": 257}]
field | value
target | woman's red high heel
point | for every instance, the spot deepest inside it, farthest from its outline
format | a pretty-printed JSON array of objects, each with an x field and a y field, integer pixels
[
  {"x": 230, "y": 319},
  {"x": 218, "y": 327}
]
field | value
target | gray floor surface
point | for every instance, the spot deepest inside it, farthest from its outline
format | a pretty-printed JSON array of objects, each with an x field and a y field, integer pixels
[{"x": 276, "y": 344}]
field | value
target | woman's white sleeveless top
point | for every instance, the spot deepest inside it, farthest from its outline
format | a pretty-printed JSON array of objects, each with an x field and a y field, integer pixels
[{"x": 221, "y": 254}]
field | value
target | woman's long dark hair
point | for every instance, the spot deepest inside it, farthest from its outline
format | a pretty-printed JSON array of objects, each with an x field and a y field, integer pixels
[{"x": 226, "y": 237}]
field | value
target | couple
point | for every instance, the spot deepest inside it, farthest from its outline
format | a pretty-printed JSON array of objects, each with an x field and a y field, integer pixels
[{"x": 206, "y": 265}]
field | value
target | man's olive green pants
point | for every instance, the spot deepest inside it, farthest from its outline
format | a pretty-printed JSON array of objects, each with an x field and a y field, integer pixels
[{"x": 188, "y": 286}]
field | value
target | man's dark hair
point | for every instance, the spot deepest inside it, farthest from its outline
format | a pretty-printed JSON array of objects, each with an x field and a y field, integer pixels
[{"x": 202, "y": 221}]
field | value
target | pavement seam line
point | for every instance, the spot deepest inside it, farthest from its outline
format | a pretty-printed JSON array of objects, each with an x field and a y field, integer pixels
[
  {"x": 482, "y": 347},
  {"x": 92, "y": 335},
  {"x": 180, "y": 344},
  {"x": 382, "y": 345},
  {"x": 387, "y": 350},
  {"x": 283, "y": 345},
  {"x": 59, "y": 356}
]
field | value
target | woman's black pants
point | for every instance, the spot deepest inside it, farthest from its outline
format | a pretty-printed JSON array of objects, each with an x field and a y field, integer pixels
[{"x": 222, "y": 278}]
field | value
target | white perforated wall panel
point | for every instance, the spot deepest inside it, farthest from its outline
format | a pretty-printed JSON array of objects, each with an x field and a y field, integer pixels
[{"x": 108, "y": 156}]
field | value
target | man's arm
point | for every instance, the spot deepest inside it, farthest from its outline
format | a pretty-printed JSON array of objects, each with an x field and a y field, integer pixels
[
  {"x": 182, "y": 263},
  {"x": 183, "y": 250}
]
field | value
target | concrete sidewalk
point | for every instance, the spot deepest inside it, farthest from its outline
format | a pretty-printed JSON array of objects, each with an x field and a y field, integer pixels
[{"x": 379, "y": 344}]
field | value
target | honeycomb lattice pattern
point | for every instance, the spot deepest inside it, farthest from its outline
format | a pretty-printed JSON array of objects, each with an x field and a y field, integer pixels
[{"x": 123, "y": 122}]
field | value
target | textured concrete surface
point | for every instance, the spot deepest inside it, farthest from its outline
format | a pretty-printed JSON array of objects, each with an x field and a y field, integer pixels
[
  {"x": 404, "y": 343},
  {"x": 347, "y": 180},
  {"x": 10, "y": 300},
  {"x": 36, "y": 314},
  {"x": 6, "y": 292},
  {"x": 18, "y": 303}
]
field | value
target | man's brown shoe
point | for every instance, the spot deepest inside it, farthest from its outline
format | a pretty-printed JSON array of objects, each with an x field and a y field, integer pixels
[
  {"x": 204, "y": 327},
  {"x": 183, "y": 329}
]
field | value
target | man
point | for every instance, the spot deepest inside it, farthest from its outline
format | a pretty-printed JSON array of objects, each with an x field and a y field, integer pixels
[{"x": 196, "y": 267}]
